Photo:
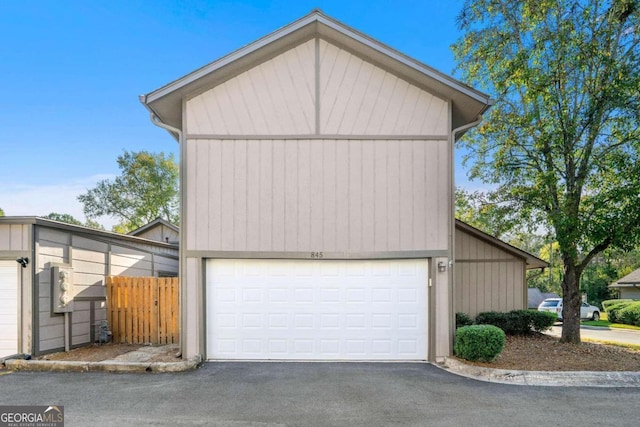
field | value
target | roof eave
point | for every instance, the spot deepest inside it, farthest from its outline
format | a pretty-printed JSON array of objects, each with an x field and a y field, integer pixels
[{"x": 166, "y": 102}]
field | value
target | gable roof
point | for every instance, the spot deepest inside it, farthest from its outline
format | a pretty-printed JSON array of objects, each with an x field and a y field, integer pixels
[
  {"x": 153, "y": 224},
  {"x": 630, "y": 280},
  {"x": 531, "y": 260},
  {"x": 166, "y": 102}
]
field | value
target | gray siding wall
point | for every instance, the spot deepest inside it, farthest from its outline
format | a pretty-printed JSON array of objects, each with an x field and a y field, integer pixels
[
  {"x": 316, "y": 195},
  {"x": 487, "y": 278},
  {"x": 92, "y": 260},
  {"x": 631, "y": 293},
  {"x": 14, "y": 237},
  {"x": 160, "y": 234}
]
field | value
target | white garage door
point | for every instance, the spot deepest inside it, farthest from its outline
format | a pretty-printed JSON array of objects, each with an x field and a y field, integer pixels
[
  {"x": 8, "y": 308},
  {"x": 317, "y": 310}
]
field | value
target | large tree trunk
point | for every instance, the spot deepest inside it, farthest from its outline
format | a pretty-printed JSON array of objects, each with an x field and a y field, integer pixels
[{"x": 571, "y": 302}]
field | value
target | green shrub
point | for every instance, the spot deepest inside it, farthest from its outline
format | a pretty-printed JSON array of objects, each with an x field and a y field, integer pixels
[
  {"x": 613, "y": 310},
  {"x": 479, "y": 342},
  {"x": 494, "y": 318},
  {"x": 542, "y": 320},
  {"x": 517, "y": 322},
  {"x": 463, "y": 319},
  {"x": 630, "y": 314},
  {"x": 607, "y": 303}
]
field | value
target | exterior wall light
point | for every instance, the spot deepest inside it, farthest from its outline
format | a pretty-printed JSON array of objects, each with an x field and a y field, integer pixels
[{"x": 442, "y": 267}]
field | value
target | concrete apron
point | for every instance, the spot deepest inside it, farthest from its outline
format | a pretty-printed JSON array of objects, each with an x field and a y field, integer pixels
[
  {"x": 543, "y": 378},
  {"x": 133, "y": 361}
]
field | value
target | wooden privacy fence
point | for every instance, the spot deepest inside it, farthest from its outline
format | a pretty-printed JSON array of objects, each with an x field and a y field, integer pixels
[{"x": 143, "y": 310}]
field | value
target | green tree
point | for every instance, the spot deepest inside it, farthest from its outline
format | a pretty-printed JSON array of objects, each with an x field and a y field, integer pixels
[
  {"x": 146, "y": 189},
  {"x": 480, "y": 210},
  {"x": 562, "y": 142},
  {"x": 70, "y": 219},
  {"x": 1, "y": 212}
]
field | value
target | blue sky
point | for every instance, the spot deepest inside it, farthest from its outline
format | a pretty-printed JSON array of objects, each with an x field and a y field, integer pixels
[{"x": 71, "y": 73}]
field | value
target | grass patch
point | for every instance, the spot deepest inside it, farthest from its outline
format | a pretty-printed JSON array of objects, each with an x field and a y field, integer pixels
[
  {"x": 635, "y": 347},
  {"x": 604, "y": 323},
  {"x": 601, "y": 323}
]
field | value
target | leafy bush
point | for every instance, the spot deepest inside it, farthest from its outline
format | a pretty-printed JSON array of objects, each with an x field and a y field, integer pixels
[
  {"x": 518, "y": 322},
  {"x": 542, "y": 320},
  {"x": 479, "y": 342},
  {"x": 613, "y": 310},
  {"x": 494, "y": 318},
  {"x": 463, "y": 319},
  {"x": 607, "y": 303},
  {"x": 630, "y": 314}
]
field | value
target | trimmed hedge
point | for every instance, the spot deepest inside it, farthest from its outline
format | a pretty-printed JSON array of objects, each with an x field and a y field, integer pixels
[
  {"x": 609, "y": 302},
  {"x": 463, "y": 319},
  {"x": 629, "y": 314},
  {"x": 479, "y": 342},
  {"x": 518, "y": 322},
  {"x": 613, "y": 310}
]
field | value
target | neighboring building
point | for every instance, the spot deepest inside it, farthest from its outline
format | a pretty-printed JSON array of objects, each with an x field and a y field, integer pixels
[
  {"x": 536, "y": 297},
  {"x": 159, "y": 230},
  {"x": 29, "y": 323},
  {"x": 628, "y": 286},
  {"x": 317, "y": 198},
  {"x": 490, "y": 275}
]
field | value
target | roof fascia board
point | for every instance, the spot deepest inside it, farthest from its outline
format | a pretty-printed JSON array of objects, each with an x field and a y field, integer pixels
[
  {"x": 227, "y": 59},
  {"x": 405, "y": 60},
  {"x": 156, "y": 222},
  {"x": 45, "y": 222},
  {"x": 309, "y": 20}
]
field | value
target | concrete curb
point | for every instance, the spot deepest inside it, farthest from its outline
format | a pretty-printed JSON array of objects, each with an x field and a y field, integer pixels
[
  {"x": 543, "y": 378},
  {"x": 103, "y": 366}
]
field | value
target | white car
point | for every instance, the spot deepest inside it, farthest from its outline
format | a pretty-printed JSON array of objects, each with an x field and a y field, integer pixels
[{"x": 554, "y": 305}]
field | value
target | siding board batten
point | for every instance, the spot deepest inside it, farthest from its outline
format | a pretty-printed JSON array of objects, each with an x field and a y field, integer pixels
[
  {"x": 266, "y": 196},
  {"x": 316, "y": 189},
  {"x": 329, "y": 215},
  {"x": 342, "y": 196},
  {"x": 304, "y": 195},
  {"x": 202, "y": 207},
  {"x": 291, "y": 195},
  {"x": 227, "y": 199},
  {"x": 279, "y": 194},
  {"x": 192, "y": 197},
  {"x": 253, "y": 194},
  {"x": 240, "y": 194},
  {"x": 355, "y": 195},
  {"x": 368, "y": 193},
  {"x": 214, "y": 197}
]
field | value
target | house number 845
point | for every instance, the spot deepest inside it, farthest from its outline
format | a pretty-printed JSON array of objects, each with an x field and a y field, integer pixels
[{"x": 317, "y": 255}]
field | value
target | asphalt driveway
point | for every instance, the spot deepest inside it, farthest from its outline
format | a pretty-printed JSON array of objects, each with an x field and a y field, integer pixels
[{"x": 313, "y": 394}]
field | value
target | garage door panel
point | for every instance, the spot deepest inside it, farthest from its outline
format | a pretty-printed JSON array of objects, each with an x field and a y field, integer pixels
[
  {"x": 328, "y": 310},
  {"x": 8, "y": 308}
]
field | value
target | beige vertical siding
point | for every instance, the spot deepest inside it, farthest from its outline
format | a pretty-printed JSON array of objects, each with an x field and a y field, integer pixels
[
  {"x": 316, "y": 195},
  {"x": 276, "y": 97},
  {"x": 358, "y": 98},
  {"x": 487, "y": 278},
  {"x": 14, "y": 237}
]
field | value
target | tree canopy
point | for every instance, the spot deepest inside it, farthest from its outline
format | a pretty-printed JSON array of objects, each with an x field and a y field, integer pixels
[
  {"x": 70, "y": 219},
  {"x": 146, "y": 189},
  {"x": 562, "y": 142},
  {"x": 1, "y": 212}
]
